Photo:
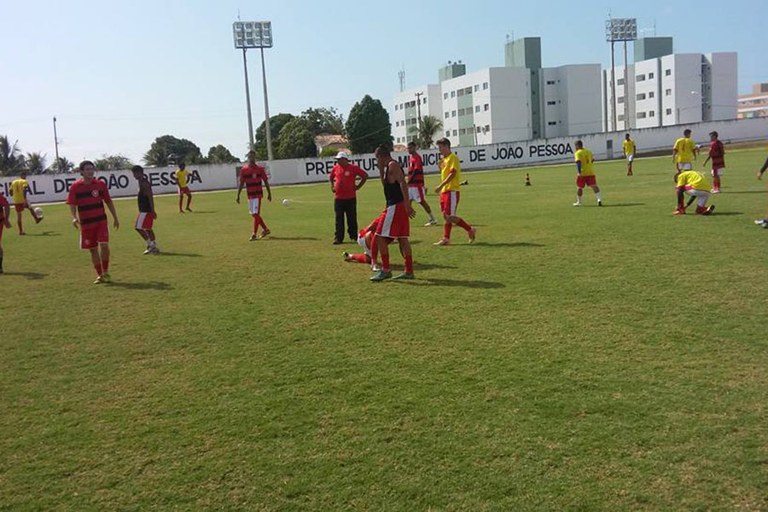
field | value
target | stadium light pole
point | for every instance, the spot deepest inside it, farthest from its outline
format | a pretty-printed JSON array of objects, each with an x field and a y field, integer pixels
[
  {"x": 620, "y": 29},
  {"x": 255, "y": 34}
]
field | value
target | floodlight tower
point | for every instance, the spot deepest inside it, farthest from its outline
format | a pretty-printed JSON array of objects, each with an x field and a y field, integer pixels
[
  {"x": 620, "y": 29},
  {"x": 255, "y": 34}
]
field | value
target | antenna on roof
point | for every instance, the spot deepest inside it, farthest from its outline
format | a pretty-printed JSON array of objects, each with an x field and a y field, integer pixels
[
  {"x": 238, "y": 15},
  {"x": 401, "y": 77}
]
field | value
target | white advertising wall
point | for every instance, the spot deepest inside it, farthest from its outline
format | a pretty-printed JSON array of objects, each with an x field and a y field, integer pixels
[{"x": 53, "y": 188}]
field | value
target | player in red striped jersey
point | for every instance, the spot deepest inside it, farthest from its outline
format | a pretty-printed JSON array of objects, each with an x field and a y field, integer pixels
[
  {"x": 86, "y": 200},
  {"x": 252, "y": 176},
  {"x": 717, "y": 154},
  {"x": 416, "y": 190},
  {"x": 5, "y": 221}
]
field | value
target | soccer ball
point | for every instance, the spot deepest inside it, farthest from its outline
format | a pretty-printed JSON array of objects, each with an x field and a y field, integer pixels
[
  {"x": 38, "y": 212},
  {"x": 286, "y": 202}
]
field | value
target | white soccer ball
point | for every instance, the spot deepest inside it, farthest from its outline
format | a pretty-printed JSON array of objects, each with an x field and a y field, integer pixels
[
  {"x": 38, "y": 212},
  {"x": 286, "y": 202}
]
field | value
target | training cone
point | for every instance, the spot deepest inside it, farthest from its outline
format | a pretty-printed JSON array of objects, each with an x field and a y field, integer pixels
[{"x": 527, "y": 180}]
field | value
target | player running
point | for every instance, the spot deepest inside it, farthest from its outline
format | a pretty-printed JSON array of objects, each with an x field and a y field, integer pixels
[
  {"x": 19, "y": 192},
  {"x": 717, "y": 154},
  {"x": 252, "y": 176},
  {"x": 416, "y": 182},
  {"x": 684, "y": 152},
  {"x": 629, "y": 153},
  {"x": 86, "y": 200},
  {"x": 5, "y": 222},
  {"x": 147, "y": 213},
  {"x": 585, "y": 175},
  {"x": 450, "y": 190},
  {"x": 394, "y": 222},
  {"x": 695, "y": 185},
  {"x": 182, "y": 180}
]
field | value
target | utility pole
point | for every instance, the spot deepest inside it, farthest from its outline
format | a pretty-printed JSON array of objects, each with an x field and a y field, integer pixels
[
  {"x": 418, "y": 110},
  {"x": 56, "y": 144}
]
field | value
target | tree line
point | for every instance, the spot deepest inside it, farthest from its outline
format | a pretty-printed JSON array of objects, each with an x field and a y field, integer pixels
[{"x": 293, "y": 136}]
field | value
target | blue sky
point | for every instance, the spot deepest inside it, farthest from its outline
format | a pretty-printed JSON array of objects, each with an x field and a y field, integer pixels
[{"x": 118, "y": 74}]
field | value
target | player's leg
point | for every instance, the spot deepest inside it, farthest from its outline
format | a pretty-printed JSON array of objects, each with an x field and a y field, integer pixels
[
  {"x": 580, "y": 184},
  {"x": 189, "y": 200},
  {"x": 446, "y": 207},
  {"x": 715, "y": 181},
  {"x": 254, "y": 207},
  {"x": 385, "y": 272},
  {"x": 96, "y": 262},
  {"x": 405, "y": 250},
  {"x": 104, "y": 255},
  {"x": 599, "y": 197},
  {"x": 1, "y": 246},
  {"x": 181, "y": 201},
  {"x": 19, "y": 211}
]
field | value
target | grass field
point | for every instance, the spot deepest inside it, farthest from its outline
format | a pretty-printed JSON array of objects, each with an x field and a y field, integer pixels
[{"x": 572, "y": 359}]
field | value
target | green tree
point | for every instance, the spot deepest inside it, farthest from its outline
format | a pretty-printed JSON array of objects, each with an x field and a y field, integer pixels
[
  {"x": 168, "y": 150},
  {"x": 220, "y": 155},
  {"x": 35, "y": 163},
  {"x": 368, "y": 126},
  {"x": 11, "y": 157},
  {"x": 113, "y": 163},
  {"x": 62, "y": 165},
  {"x": 329, "y": 151},
  {"x": 276, "y": 124},
  {"x": 296, "y": 140},
  {"x": 324, "y": 120},
  {"x": 425, "y": 133}
]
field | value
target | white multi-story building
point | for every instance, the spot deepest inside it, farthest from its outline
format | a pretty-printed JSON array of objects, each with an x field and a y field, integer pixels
[
  {"x": 424, "y": 100},
  {"x": 754, "y": 104},
  {"x": 570, "y": 100},
  {"x": 672, "y": 89}
]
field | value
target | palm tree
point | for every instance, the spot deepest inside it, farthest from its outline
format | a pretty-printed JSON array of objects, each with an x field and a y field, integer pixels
[
  {"x": 35, "y": 163},
  {"x": 425, "y": 132},
  {"x": 62, "y": 166},
  {"x": 11, "y": 158}
]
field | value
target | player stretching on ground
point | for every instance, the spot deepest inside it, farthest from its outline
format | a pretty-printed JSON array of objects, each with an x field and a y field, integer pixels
[
  {"x": 449, "y": 190},
  {"x": 629, "y": 153},
  {"x": 86, "y": 200},
  {"x": 19, "y": 191},
  {"x": 585, "y": 176},
  {"x": 394, "y": 222},
  {"x": 717, "y": 154},
  {"x": 416, "y": 182},
  {"x": 147, "y": 214},
  {"x": 367, "y": 240},
  {"x": 252, "y": 175},
  {"x": 695, "y": 185},
  {"x": 182, "y": 180},
  {"x": 684, "y": 152},
  {"x": 5, "y": 222}
]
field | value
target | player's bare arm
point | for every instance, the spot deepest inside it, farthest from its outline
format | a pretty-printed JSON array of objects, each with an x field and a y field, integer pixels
[
  {"x": 269, "y": 191},
  {"x": 7, "y": 216},
  {"x": 447, "y": 179},
  {"x": 115, "y": 221},
  {"x": 75, "y": 219},
  {"x": 239, "y": 189},
  {"x": 148, "y": 191},
  {"x": 363, "y": 179},
  {"x": 762, "y": 170}
]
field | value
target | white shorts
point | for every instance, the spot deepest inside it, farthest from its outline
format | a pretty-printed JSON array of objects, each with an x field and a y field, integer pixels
[
  {"x": 630, "y": 158},
  {"x": 416, "y": 194},
  {"x": 361, "y": 243},
  {"x": 254, "y": 205},
  {"x": 686, "y": 166},
  {"x": 701, "y": 195},
  {"x": 718, "y": 172}
]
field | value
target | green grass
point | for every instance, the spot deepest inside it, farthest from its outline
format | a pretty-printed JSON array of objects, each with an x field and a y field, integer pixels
[{"x": 572, "y": 359}]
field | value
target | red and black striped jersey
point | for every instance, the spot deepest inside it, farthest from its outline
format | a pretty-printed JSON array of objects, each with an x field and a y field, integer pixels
[
  {"x": 252, "y": 176},
  {"x": 89, "y": 199}
]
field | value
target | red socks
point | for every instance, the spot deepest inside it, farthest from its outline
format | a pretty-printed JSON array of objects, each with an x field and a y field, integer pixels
[
  {"x": 99, "y": 270},
  {"x": 464, "y": 225},
  {"x": 447, "y": 230},
  {"x": 360, "y": 258},
  {"x": 105, "y": 265},
  {"x": 409, "y": 264}
]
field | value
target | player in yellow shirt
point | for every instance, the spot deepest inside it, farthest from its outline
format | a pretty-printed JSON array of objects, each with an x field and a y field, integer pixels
[
  {"x": 182, "y": 180},
  {"x": 449, "y": 190},
  {"x": 629, "y": 152},
  {"x": 684, "y": 152},
  {"x": 585, "y": 176},
  {"x": 695, "y": 185},
  {"x": 19, "y": 191}
]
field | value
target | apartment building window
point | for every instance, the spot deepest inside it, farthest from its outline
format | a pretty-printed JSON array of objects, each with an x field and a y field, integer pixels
[
  {"x": 620, "y": 81},
  {"x": 448, "y": 133},
  {"x": 552, "y": 123},
  {"x": 445, "y": 96},
  {"x": 640, "y": 78},
  {"x": 667, "y": 72},
  {"x": 621, "y": 117},
  {"x": 550, "y": 82},
  {"x": 620, "y": 100},
  {"x": 395, "y": 108},
  {"x": 453, "y": 94},
  {"x": 651, "y": 94},
  {"x": 463, "y": 131},
  {"x": 454, "y": 133},
  {"x": 669, "y": 111},
  {"x": 453, "y": 113},
  {"x": 486, "y": 107},
  {"x": 668, "y": 92},
  {"x": 477, "y": 108},
  {"x": 424, "y": 101},
  {"x": 460, "y": 93},
  {"x": 397, "y": 123},
  {"x": 650, "y": 76},
  {"x": 477, "y": 88},
  {"x": 641, "y": 96},
  {"x": 485, "y": 85},
  {"x": 461, "y": 111},
  {"x": 551, "y": 103},
  {"x": 468, "y": 90},
  {"x": 641, "y": 115},
  {"x": 652, "y": 113},
  {"x": 478, "y": 129},
  {"x": 447, "y": 115}
]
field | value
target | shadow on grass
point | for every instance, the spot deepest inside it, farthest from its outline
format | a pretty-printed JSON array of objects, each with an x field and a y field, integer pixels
[
  {"x": 195, "y": 212},
  {"x": 152, "y": 285},
  {"x": 45, "y": 233},
  {"x": 294, "y": 238},
  {"x": 500, "y": 244},
  {"x": 745, "y": 192},
  {"x": 180, "y": 254},
  {"x": 622, "y": 205},
  {"x": 425, "y": 266},
  {"x": 32, "y": 276},
  {"x": 718, "y": 213},
  {"x": 454, "y": 283}
]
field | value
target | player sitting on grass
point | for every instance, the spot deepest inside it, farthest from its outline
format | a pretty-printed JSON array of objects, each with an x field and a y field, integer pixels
[
  {"x": 695, "y": 185},
  {"x": 367, "y": 240}
]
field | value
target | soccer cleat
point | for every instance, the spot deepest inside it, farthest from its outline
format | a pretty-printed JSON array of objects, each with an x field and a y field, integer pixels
[
  {"x": 599, "y": 203},
  {"x": 189, "y": 209},
  {"x": 106, "y": 278},
  {"x": 442, "y": 241},
  {"x": 148, "y": 251},
  {"x": 375, "y": 268},
  {"x": 253, "y": 238},
  {"x": 431, "y": 222},
  {"x": 472, "y": 235},
  {"x": 38, "y": 220},
  {"x": 577, "y": 203},
  {"x": 154, "y": 250},
  {"x": 338, "y": 242},
  {"x": 679, "y": 211},
  {"x": 346, "y": 256},
  {"x": 709, "y": 210},
  {"x": 715, "y": 191},
  {"x": 265, "y": 233},
  {"x": 404, "y": 276},
  {"x": 99, "y": 280},
  {"x": 381, "y": 276},
  {"x": 760, "y": 222}
]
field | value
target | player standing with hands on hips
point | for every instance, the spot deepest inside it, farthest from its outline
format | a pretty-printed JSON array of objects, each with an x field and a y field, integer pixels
[
  {"x": 344, "y": 186},
  {"x": 86, "y": 199}
]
